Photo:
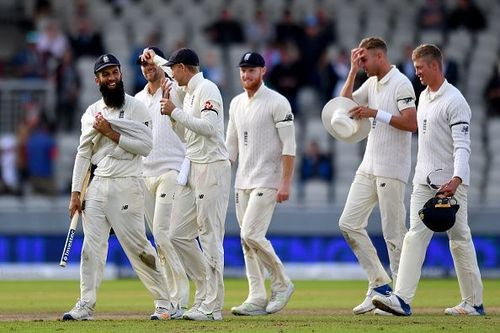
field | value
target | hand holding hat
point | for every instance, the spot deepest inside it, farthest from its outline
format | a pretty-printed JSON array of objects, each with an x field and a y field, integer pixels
[{"x": 340, "y": 124}]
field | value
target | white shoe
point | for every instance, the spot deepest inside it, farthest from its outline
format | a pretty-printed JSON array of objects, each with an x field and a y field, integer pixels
[
  {"x": 393, "y": 304},
  {"x": 177, "y": 313},
  {"x": 379, "y": 312},
  {"x": 465, "y": 309},
  {"x": 367, "y": 305},
  {"x": 248, "y": 309},
  {"x": 161, "y": 314},
  {"x": 81, "y": 311},
  {"x": 197, "y": 315},
  {"x": 279, "y": 299}
]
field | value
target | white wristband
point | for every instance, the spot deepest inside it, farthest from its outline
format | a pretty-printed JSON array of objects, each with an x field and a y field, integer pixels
[{"x": 382, "y": 116}]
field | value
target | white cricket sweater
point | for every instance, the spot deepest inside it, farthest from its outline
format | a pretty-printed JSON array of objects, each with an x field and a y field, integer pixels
[
  {"x": 443, "y": 136},
  {"x": 202, "y": 116},
  {"x": 168, "y": 150},
  {"x": 388, "y": 149},
  {"x": 253, "y": 135},
  {"x": 125, "y": 158}
]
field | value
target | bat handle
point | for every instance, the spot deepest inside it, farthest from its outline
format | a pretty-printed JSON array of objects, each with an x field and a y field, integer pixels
[{"x": 69, "y": 240}]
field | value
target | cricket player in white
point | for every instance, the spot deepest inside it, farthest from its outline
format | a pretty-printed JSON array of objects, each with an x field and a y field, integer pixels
[
  {"x": 388, "y": 98},
  {"x": 115, "y": 136},
  {"x": 443, "y": 143},
  {"x": 261, "y": 136},
  {"x": 201, "y": 199},
  {"x": 161, "y": 168}
]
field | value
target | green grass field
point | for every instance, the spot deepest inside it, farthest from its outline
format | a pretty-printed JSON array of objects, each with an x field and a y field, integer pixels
[{"x": 316, "y": 306}]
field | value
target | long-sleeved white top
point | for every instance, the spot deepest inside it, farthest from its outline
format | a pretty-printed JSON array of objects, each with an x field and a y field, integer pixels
[
  {"x": 202, "y": 116},
  {"x": 253, "y": 137},
  {"x": 124, "y": 159},
  {"x": 168, "y": 150},
  {"x": 443, "y": 136},
  {"x": 388, "y": 149}
]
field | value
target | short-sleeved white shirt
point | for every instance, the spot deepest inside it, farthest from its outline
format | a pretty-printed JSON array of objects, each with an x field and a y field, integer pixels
[
  {"x": 253, "y": 137},
  {"x": 388, "y": 149}
]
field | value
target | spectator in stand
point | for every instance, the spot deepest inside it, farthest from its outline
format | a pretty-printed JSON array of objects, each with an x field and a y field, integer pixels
[
  {"x": 432, "y": 16},
  {"x": 312, "y": 46},
  {"x": 492, "y": 92},
  {"x": 225, "y": 30},
  {"x": 467, "y": 15},
  {"x": 316, "y": 164},
  {"x": 286, "y": 76},
  {"x": 52, "y": 42},
  {"x": 85, "y": 41},
  {"x": 41, "y": 153},
  {"x": 326, "y": 25},
  {"x": 287, "y": 30},
  {"x": 8, "y": 171},
  {"x": 259, "y": 32},
  {"x": 68, "y": 89},
  {"x": 341, "y": 68},
  {"x": 213, "y": 70},
  {"x": 327, "y": 78},
  {"x": 28, "y": 62}
]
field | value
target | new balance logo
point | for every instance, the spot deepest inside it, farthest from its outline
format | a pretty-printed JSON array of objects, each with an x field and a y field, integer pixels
[{"x": 124, "y": 207}]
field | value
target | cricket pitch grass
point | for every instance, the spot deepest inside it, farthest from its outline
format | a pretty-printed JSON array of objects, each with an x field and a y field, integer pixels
[{"x": 316, "y": 306}]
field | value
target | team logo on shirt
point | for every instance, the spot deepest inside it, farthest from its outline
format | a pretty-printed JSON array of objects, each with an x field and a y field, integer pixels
[
  {"x": 465, "y": 129},
  {"x": 208, "y": 106},
  {"x": 122, "y": 114}
]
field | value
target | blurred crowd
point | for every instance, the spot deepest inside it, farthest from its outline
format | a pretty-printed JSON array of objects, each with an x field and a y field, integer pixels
[{"x": 302, "y": 53}]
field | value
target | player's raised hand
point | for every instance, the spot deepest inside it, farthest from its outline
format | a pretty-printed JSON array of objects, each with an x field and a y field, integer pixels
[
  {"x": 357, "y": 55},
  {"x": 148, "y": 56}
]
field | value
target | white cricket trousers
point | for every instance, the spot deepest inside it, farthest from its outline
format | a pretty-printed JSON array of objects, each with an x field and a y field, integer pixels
[
  {"x": 365, "y": 192},
  {"x": 254, "y": 211},
  {"x": 199, "y": 213},
  {"x": 118, "y": 203},
  {"x": 462, "y": 249},
  {"x": 159, "y": 196}
]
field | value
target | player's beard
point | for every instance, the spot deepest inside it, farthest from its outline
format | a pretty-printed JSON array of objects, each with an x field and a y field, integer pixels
[
  {"x": 114, "y": 98},
  {"x": 252, "y": 85}
]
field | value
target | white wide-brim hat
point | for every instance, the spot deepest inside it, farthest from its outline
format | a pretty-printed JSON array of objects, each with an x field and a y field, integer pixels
[{"x": 337, "y": 122}]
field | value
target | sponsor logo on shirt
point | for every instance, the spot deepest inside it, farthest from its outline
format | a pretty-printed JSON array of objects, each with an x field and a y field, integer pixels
[{"x": 122, "y": 114}]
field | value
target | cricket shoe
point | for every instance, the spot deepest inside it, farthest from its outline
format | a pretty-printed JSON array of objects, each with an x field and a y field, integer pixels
[
  {"x": 465, "y": 309},
  {"x": 81, "y": 311},
  {"x": 197, "y": 315},
  {"x": 248, "y": 309},
  {"x": 378, "y": 312},
  {"x": 177, "y": 312},
  {"x": 367, "y": 305},
  {"x": 161, "y": 313},
  {"x": 279, "y": 299},
  {"x": 393, "y": 304}
]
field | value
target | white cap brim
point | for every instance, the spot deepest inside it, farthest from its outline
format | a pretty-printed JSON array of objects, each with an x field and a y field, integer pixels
[{"x": 343, "y": 103}]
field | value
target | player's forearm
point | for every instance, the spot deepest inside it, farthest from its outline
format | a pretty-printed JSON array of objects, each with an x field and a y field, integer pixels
[
  {"x": 287, "y": 163},
  {"x": 204, "y": 126},
  {"x": 348, "y": 85}
]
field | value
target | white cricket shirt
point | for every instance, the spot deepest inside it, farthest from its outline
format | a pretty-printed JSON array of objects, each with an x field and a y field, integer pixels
[
  {"x": 253, "y": 135},
  {"x": 443, "y": 136},
  {"x": 388, "y": 149}
]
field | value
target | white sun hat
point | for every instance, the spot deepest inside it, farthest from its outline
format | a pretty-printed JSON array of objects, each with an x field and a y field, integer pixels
[{"x": 338, "y": 123}]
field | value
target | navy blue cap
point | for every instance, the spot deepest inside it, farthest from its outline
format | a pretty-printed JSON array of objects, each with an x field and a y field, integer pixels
[
  {"x": 184, "y": 56},
  {"x": 154, "y": 48},
  {"x": 252, "y": 59},
  {"x": 104, "y": 61}
]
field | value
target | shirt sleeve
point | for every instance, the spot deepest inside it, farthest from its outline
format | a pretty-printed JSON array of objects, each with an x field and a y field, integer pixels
[
  {"x": 83, "y": 153},
  {"x": 360, "y": 96},
  {"x": 405, "y": 96},
  {"x": 459, "y": 120},
  {"x": 232, "y": 134},
  {"x": 210, "y": 110}
]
